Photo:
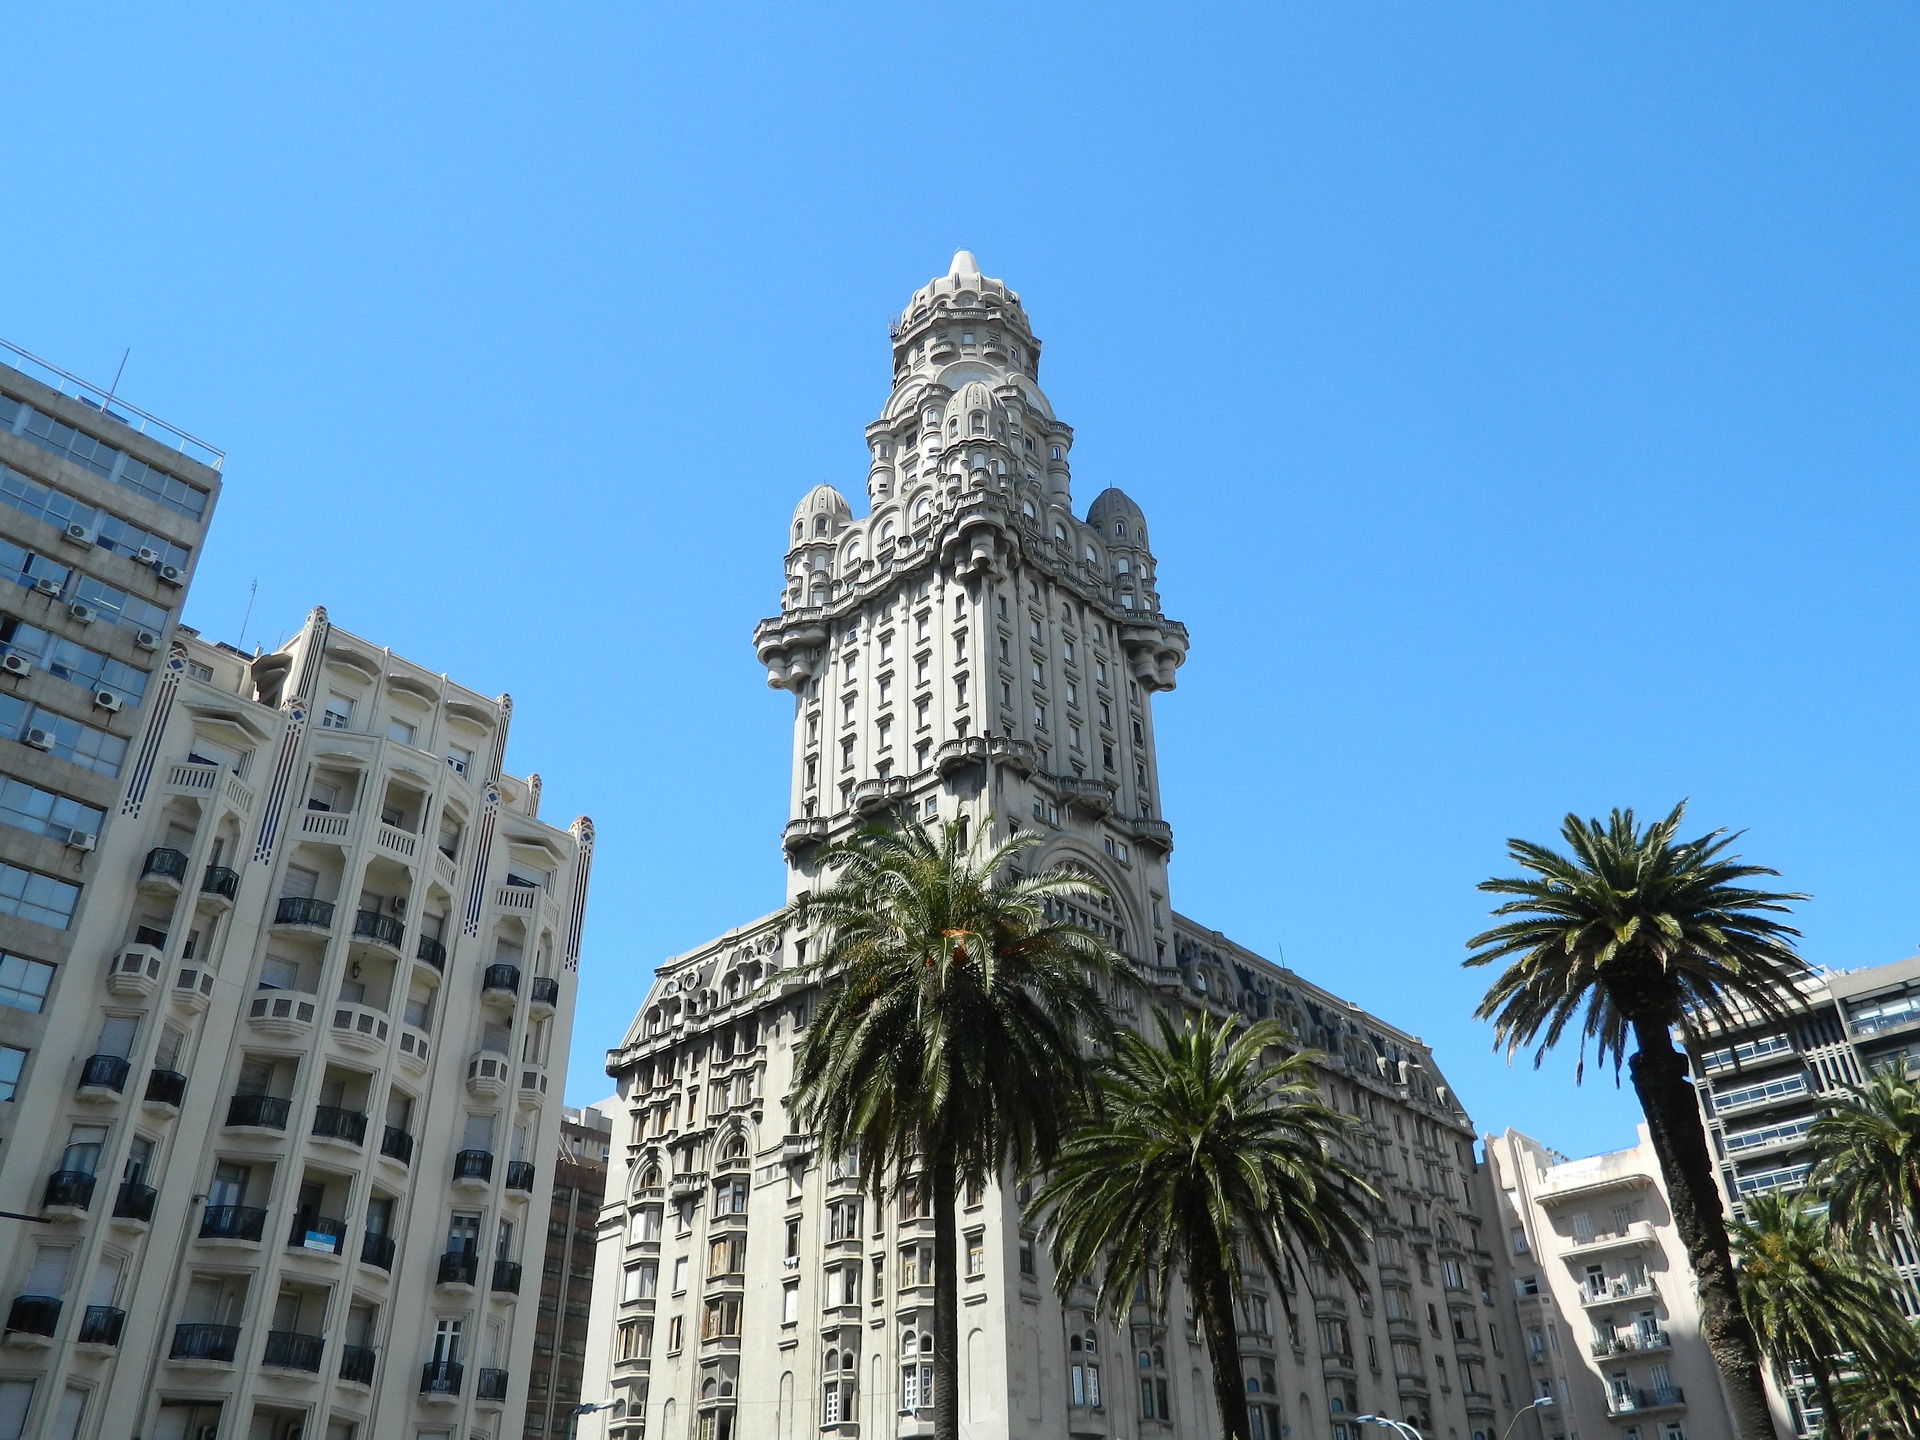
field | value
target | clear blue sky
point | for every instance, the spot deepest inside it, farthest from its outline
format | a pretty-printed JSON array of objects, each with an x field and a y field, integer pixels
[{"x": 1523, "y": 399}]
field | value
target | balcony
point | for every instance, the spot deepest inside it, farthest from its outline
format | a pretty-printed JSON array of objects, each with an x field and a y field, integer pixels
[
  {"x": 473, "y": 1167},
  {"x": 520, "y": 1175},
  {"x": 326, "y": 824},
  {"x": 102, "y": 1077},
  {"x": 459, "y": 1268},
  {"x": 259, "y": 1112},
  {"x": 533, "y": 1086},
  {"x": 101, "y": 1325},
  {"x": 318, "y": 1235},
  {"x": 397, "y": 1144},
  {"x": 356, "y": 1364},
  {"x": 134, "y": 1201},
  {"x": 383, "y": 932},
  {"x": 397, "y": 842},
  {"x": 134, "y": 973},
  {"x": 1615, "y": 1291},
  {"x": 441, "y": 1378},
  {"x": 284, "y": 1014},
  {"x": 68, "y": 1190},
  {"x": 332, "y": 1122},
  {"x": 192, "y": 989},
  {"x": 377, "y": 1251},
  {"x": 165, "y": 1089},
  {"x": 802, "y": 835},
  {"x": 304, "y": 912},
  {"x": 165, "y": 871},
  {"x": 233, "y": 1222},
  {"x": 500, "y": 984},
  {"x": 1632, "y": 1342},
  {"x": 290, "y": 1350},
  {"x": 487, "y": 1073},
  {"x": 1630, "y": 1400},
  {"x": 359, "y": 1027},
  {"x": 218, "y": 886},
  {"x": 33, "y": 1315},
  {"x": 414, "y": 1047},
  {"x": 1637, "y": 1236},
  {"x": 506, "y": 1277},
  {"x": 214, "y": 1344},
  {"x": 490, "y": 1387},
  {"x": 543, "y": 996},
  {"x": 431, "y": 952}
]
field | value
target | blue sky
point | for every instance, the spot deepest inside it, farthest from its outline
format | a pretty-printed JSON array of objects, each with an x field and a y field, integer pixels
[{"x": 1522, "y": 398}]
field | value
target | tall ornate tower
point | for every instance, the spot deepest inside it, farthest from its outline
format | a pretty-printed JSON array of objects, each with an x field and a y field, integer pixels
[{"x": 972, "y": 647}]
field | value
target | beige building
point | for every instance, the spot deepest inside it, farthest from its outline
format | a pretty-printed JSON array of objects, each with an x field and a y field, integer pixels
[
  {"x": 975, "y": 648},
  {"x": 292, "y": 1117},
  {"x": 1609, "y": 1320}
]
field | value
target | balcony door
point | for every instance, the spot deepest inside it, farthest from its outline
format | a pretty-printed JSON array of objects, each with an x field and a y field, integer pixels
[
  {"x": 229, "y": 1185},
  {"x": 446, "y": 1342},
  {"x": 463, "y": 1233},
  {"x": 116, "y": 1036}
]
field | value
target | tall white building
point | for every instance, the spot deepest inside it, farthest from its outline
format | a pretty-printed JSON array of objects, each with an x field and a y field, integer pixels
[
  {"x": 291, "y": 1122},
  {"x": 975, "y": 648},
  {"x": 1609, "y": 1318}
]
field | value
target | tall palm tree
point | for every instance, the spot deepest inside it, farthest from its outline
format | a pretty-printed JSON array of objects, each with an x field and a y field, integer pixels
[
  {"x": 1811, "y": 1304},
  {"x": 951, "y": 1025},
  {"x": 1869, "y": 1145},
  {"x": 1629, "y": 936},
  {"x": 1190, "y": 1142}
]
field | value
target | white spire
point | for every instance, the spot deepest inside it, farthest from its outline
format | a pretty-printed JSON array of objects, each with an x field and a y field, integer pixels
[{"x": 963, "y": 264}]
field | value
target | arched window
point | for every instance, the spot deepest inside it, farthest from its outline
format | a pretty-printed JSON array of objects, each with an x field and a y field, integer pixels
[
  {"x": 853, "y": 553},
  {"x": 1060, "y": 533},
  {"x": 820, "y": 525},
  {"x": 1091, "y": 557},
  {"x": 1026, "y": 509},
  {"x": 1092, "y": 1343},
  {"x": 976, "y": 424},
  {"x": 736, "y": 1149},
  {"x": 886, "y": 529},
  {"x": 923, "y": 509},
  {"x": 799, "y": 529},
  {"x": 953, "y": 426},
  {"x": 1120, "y": 528}
]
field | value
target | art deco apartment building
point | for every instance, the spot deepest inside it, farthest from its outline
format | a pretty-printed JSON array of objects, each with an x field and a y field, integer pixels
[
  {"x": 292, "y": 1121},
  {"x": 974, "y": 648},
  {"x": 1608, "y": 1317}
]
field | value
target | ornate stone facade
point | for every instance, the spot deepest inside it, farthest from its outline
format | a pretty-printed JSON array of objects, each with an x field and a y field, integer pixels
[{"x": 973, "y": 649}]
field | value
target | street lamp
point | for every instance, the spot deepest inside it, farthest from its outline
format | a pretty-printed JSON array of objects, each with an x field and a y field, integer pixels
[
  {"x": 1400, "y": 1425},
  {"x": 1543, "y": 1400},
  {"x": 586, "y": 1408}
]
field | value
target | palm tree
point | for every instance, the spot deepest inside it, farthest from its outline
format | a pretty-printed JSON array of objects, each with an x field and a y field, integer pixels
[
  {"x": 950, "y": 1026},
  {"x": 1626, "y": 938},
  {"x": 1885, "y": 1402},
  {"x": 1812, "y": 1305},
  {"x": 1869, "y": 1144},
  {"x": 1189, "y": 1143}
]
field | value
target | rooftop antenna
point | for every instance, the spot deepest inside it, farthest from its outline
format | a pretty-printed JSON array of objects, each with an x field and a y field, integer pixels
[
  {"x": 111, "y": 389},
  {"x": 252, "y": 590}
]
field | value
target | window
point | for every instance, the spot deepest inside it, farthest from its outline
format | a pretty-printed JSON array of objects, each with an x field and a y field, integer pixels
[
  {"x": 1084, "y": 1385},
  {"x": 338, "y": 714},
  {"x": 976, "y": 1255},
  {"x": 24, "y": 983},
  {"x": 32, "y": 896},
  {"x": 400, "y": 730},
  {"x": 1027, "y": 1265},
  {"x": 721, "y": 1318},
  {"x": 41, "y": 812},
  {"x": 679, "y": 1274},
  {"x": 16, "y": 1396},
  {"x": 82, "y": 745},
  {"x": 673, "y": 1336},
  {"x": 790, "y": 1303}
]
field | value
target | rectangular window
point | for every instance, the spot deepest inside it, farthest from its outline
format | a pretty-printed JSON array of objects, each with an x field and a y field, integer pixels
[
  {"x": 401, "y": 730},
  {"x": 42, "y": 729},
  {"x": 673, "y": 1336},
  {"x": 24, "y": 983},
  {"x": 41, "y": 812},
  {"x": 338, "y": 715},
  {"x": 33, "y": 896},
  {"x": 790, "y": 1303}
]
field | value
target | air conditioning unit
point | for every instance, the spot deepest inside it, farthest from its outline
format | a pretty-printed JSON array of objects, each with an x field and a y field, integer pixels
[
  {"x": 83, "y": 612},
  {"x": 47, "y": 585},
  {"x": 168, "y": 573},
  {"x": 15, "y": 664},
  {"x": 39, "y": 739},
  {"x": 146, "y": 639},
  {"x": 106, "y": 700},
  {"x": 398, "y": 904},
  {"x": 81, "y": 840},
  {"x": 80, "y": 534},
  {"x": 146, "y": 556}
]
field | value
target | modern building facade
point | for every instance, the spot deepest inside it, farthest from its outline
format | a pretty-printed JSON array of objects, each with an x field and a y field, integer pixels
[
  {"x": 976, "y": 649},
  {"x": 1760, "y": 1085},
  {"x": 103, "y": 512},
  {"x": 560, "y": 1332},
  {"x": 292, "y": 1123},
  {"x": 1609, "y": 1322}
]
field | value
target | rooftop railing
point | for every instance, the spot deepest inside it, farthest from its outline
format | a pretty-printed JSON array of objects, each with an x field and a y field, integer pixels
[{"x": 114, "y": 408}]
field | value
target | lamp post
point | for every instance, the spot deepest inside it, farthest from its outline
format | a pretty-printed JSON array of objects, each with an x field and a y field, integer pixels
[
  {"x": 1399, "y": 1425},
  {"x": 573, "y": 1422},
  {"x": 1543, "y": 1400}
]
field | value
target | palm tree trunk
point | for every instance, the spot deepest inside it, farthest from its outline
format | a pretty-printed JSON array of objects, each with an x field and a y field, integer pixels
[
  {"x": 1213, "y": 1296},
  {"x": 946, "y": 1302},
  {"x": 1823, "y": 1387},
  {"x": 1680, "y": 1140}
]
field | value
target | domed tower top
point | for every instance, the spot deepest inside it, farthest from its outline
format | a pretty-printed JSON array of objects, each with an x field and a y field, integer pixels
[{"x": 926, "y": 329}]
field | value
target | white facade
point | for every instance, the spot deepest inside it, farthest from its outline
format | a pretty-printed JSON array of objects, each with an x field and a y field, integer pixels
[
  {"x": 293, "y": 1123},
  {"x": 973, "y": 648},
  {"x": 1609, "y": 1319}
]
